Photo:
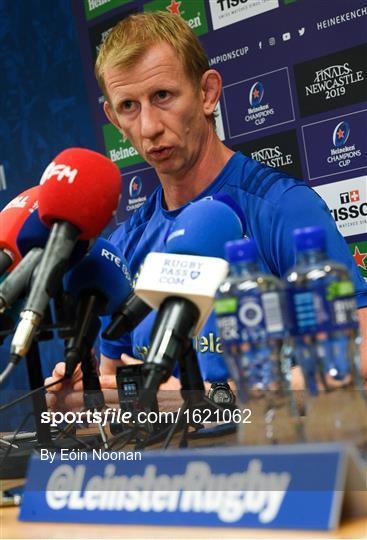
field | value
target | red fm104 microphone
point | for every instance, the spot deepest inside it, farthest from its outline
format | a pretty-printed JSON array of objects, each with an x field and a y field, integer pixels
[
  {"x": 78, "y": 196},
  {"x": 12, "y": 218}
]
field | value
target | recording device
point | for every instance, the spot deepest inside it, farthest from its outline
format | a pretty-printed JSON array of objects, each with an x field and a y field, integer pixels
[
  {"x": 182, "y": 286},
  {"x": 130, "y": 383},
  {"x": 78, "y": 195},
  {"x": 12, "y": 217}
]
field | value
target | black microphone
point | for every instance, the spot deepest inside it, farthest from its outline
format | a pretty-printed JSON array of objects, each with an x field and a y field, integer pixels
[
  {"x": 130, "y": 315},
  {"x": 98, "y": 284},
  {"x": 76, "y": 205},
  {"x": 195, "y": 265}
]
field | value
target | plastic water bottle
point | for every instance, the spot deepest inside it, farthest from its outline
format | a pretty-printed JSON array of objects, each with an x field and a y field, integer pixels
[
  {"x": 325, "y": 330},
  {"x": 250, "y": 307}
]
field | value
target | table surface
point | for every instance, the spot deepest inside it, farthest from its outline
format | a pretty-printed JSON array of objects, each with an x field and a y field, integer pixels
[{"x": 10, "y": 527}]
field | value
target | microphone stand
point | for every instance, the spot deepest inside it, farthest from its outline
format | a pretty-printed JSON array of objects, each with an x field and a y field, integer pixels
[
  {"x": 193, "y": 394},
  {"x": 35, "y": 377},
  {"x": 14, "y": 459},
  {"x": 79, "y": 350}
]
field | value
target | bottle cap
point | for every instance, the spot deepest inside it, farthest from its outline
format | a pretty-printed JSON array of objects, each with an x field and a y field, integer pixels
[
  {"x": 309, "y": 238},
  {"x": 244, "y": 250}
]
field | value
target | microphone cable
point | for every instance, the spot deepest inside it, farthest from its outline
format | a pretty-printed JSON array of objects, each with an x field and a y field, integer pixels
[{"x": 30, "y": 394}]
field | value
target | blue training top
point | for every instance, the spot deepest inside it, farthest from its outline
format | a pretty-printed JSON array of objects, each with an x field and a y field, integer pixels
[{"x": 273, "y": 204}]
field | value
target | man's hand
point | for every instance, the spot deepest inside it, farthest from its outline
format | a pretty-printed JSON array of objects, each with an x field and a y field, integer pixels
[{"x": 68, "y": 395}]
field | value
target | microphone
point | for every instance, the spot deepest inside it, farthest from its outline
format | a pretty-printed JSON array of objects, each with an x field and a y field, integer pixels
[
  {"x": 181, "y": 284},
  {"x": 129, "y": 316},
  {"x": 30, "y": 242},
  {"x": 78, "y": 195},
  {"x": 135, "y": 309},
  {"x": 12, "y": 218},
  {"x": 98, "y": 284}
]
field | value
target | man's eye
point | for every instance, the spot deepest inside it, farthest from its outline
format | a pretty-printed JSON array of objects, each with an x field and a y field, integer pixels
[
  {"x": 127, "y": 105},
  {"x": 162, "y": 94}
]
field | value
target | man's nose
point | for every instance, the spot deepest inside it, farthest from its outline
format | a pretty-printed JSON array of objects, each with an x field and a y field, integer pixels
[{"x": 150, "y": 122}]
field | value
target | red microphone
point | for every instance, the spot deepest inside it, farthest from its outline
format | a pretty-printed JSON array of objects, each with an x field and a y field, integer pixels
[
  {"x": 12, "y": 218},
  {"x": 82, "y": 188},
  {"x": 79, "y": 193}
]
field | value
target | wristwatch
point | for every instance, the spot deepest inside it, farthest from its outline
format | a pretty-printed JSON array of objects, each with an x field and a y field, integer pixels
[{"x": 220, "y": 392}]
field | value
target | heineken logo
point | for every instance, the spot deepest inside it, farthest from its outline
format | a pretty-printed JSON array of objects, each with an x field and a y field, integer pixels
[{"x": 193, "y": 12}]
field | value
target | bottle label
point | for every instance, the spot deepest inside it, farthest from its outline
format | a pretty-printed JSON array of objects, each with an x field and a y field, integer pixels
[
  {"x": 250, "y": 318},
  {"x": 324, "y": 308}
]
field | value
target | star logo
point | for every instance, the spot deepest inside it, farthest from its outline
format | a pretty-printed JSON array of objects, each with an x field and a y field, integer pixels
[
  {"x": 135, "y": 187},
  {"x": 256, "y": 94},
  {"x": 360, "y": 258},
  {"x": 174, "y": 7},
  {"x": 341, "y": 133}
]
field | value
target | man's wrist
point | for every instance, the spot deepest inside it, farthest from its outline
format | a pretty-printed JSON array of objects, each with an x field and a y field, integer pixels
[{"x": 221, "y": 393}]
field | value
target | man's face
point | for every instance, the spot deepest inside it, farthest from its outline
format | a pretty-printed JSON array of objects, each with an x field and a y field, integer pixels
[{"x": 157, "y": 107}]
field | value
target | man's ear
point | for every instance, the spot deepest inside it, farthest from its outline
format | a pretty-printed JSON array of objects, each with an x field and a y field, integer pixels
[
  {"x": 211, "y": 88},
  {"x": 111, "y": 115}
]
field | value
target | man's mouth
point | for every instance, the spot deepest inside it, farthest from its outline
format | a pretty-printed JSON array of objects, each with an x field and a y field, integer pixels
[{"x": 160, "y": 152}]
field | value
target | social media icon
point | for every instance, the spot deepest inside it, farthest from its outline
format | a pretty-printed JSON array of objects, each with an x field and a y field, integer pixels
[
  {"x": 286, "y": 36},
  {"x": 301, "y": 31},
  {"x": 272, "y": 41}
]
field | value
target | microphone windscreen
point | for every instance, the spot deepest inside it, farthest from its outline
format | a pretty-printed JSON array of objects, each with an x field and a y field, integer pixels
[
  {"x": 203, "y": 228},
  {"x": 12, "y": 218},
  {"x": 33, "y": 233},
  {"x": 103, "y": 270},
  {"x": 80, "y": 187},
  {"x": 229, "y": 201}
]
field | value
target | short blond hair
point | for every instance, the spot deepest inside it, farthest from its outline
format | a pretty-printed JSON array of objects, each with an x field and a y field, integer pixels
[{"x": 131, "y": 38}]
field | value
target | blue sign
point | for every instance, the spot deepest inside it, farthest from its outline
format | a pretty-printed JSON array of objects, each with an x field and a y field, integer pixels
[
  {"x": 264, "y": 487},
  {"x": 336, "y": 145},
  {"x": 258, "y": 103}
]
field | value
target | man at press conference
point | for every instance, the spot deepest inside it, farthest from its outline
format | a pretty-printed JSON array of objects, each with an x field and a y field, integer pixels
[{"x": 161, "y": 95}]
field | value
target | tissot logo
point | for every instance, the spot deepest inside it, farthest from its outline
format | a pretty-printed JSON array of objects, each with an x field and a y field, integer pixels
[
  {"x": 347, "y": 204},
  {"x": 334, "y": 81},
  {"x": 256, "y": 94},
  {"x": 227, "y": 4},
  {"x": 349, "y": 208},
  {"x": 341, "y": 134},
  {"x": 349, "y": 196},
  {"x": 226, "y": 12}
]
